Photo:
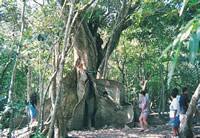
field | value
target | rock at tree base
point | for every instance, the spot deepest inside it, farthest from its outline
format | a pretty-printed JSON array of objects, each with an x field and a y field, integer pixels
[{"x": 112, "y": 112}]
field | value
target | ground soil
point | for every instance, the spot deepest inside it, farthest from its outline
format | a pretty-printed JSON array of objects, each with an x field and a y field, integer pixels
[{"x": 157, "y": 129}]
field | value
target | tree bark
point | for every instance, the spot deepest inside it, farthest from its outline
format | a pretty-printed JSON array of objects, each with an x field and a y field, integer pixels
[
  {"x": 120, "y": 25},
  {"x": 86, "y": 58},
  {"x": 41, "y": 89},
  {"x": 44, "y": 98},
  {"x": 55, "y": 62},
  {"x": 29, "y": 80},
  {"x": 86, "y": 55},
  {"x": 186, "y": 129},
  {"x": 60, "y": 71},
  {"x": 54, "y": 84}
]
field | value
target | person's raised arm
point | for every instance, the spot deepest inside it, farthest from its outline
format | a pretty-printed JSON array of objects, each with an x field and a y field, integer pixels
[{"x": 143, "y": 84}]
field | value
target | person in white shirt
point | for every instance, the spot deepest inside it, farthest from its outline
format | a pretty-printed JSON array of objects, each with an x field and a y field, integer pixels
[
  {"x": 174, "y": 112},
  {"x": 144, "y": 111}
]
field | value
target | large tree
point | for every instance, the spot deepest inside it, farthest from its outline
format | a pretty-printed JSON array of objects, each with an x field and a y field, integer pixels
[{"x": 83, "y": 34}]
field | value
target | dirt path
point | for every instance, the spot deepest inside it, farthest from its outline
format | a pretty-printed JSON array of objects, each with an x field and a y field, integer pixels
[
  {"x": 154, "y": 132},
  {"x": 160, "y": 131},
  {"x": 21, "y": 133}
]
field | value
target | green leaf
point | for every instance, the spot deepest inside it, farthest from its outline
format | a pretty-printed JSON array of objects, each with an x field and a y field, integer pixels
[
  {"x": 182, "y": 36},
  {"x": 183, "y": 7},
  {"x": 194, "y": 46},
  {"x": 186, "y": 34},
  {"x": 172, "y": 65}
]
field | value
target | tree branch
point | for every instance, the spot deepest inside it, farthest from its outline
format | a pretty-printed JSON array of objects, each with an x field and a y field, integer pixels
[
  {"x": 38, "y": 3},
  {"x": 186, "y": 127},
  {"x": 113, "y": 41},
  {"x": 84, "y": 8}
]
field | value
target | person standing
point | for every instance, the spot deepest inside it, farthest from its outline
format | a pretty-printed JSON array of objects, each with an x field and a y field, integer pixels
[
  {"x": 183, "y": 102},
  {"x": 174, "y": 112},
  {"x": 32, "y": 111},
  {"x": 144, "y": 111}
]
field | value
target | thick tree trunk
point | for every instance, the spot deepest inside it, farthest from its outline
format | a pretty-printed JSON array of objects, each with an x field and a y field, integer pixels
[
  {"x": 80, "y": 93},
  {"x": 186, "y": 129},
  {"x": 85, "y": 57},
  {"x": 92, "y": 107}
]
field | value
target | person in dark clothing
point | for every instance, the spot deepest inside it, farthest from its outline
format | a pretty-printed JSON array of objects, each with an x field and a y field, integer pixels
[
  {"x": 183, "y": 102},
  {"x": 33, "y": 99},
  {"x": 31, "y": 107}
]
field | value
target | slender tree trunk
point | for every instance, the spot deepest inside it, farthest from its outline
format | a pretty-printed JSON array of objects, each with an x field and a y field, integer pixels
[
  {"x": 162, "y": 101},
  {"x": 10, "y": 98},
  {"x": 29, "y": 89},
  {"x": 41, "y": 93},
  {"x": 57, "y": 125},
  {"x": 44, "y": 98},
  {"x": 55, "y": 62},
  {"x": 11, "y": 88},
  {"x": 60, "y": 71},
  {"x": 164, "y": 98},
  {"x": 186, "y": 129},
  {"x": 29, "y": 81},
  {"x": 121, "y": 68},
  {"x": 53, "y": 86}
]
